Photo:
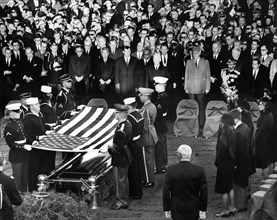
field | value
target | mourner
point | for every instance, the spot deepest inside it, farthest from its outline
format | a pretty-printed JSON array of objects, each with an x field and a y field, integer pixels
[
  {"x": 16, "y": 140},
  {"x": 10, "y": 195},
  {"x": 185, "y": 196},
  {"x": 121, "y": 156},
  {"x": 134, "y": 171},
  {"x": 65, "y": 104},
  {"x": 162, "y": 104}
]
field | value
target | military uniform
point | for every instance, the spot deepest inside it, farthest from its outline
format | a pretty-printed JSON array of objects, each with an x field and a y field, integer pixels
[
  {"x": 149, "y": 113},
  {"x": 120, "y": 161},
  {"x": 134, "y": 172},
  {"x": 15, "y": 138},
  {"x": 34, "y": 126},
  {"x": 50, "y": 119},
  {"x": 14, "y": 198},
  {"x": 162, "y": 104},
  {"x": 65, "y": 104}
]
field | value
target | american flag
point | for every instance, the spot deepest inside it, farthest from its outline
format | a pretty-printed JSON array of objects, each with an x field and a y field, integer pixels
[{"x": 90, "y": 129}]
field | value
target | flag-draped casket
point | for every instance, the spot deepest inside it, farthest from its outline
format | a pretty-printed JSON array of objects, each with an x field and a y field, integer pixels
[{"x": 82, "y": 136}]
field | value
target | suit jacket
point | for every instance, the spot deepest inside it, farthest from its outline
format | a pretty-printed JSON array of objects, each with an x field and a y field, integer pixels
[
  {"x": 197, "y": 79},
  {"x": 141, "y": 68},
  {"x": 31, "y": 4},
  {"x": 176, "y": 69},
  {"x": 185, "y": 195},
  {"x": 79, "y": 66},
  {"x": 118, "y": 53},
  {"x": 262, "y": 81},
  {"x": 151, "y": 72},
  {"x": 125, "y": 75},
  {"x": 12, "y": 78},
  {"x": 104, "y": 70},
  {"x": 267, "y": 61}
]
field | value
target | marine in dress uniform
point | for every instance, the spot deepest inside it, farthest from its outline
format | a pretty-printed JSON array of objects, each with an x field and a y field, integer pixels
[
  {"x": 35, "y": 130},
  {"x": 9, "y": 190},
  {"x": 148, "y": 137},
  {"x": 50, "y": 119},
  {"x": 65, "y": 103},
  {"x": 134, "y": 171},
  {"x": 121, "y": 157},
  {"x": 162, "y": 104},
  {"x": 16, "y": 139}
]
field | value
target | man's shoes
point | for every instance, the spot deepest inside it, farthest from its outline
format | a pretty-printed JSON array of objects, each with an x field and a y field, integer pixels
[
  {"x": 222, "y": 215},
  {"x": 160, "y": 172},
  {"x": 150, "y": 184},
  {"x": 119, "y": 206},
  {"x": 233, "y": 211}
]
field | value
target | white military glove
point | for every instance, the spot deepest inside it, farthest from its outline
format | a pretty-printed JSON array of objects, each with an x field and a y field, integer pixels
[
  {"x": 28, "y": 147},
  {"x": 202, "y": 215},
  {"x": 168, "y": 214}
]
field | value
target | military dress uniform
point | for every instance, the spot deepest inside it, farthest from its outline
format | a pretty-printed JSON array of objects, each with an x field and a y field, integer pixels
[
  {"x": 15, "y": 138},
  {"x": 34, "y": 126},
  {"x": 120, "y": 161},
  {"x": 162, "y": 104},
  {"x": 65, "y": 104},
  {"x": 10, "y": 190},
  {"x": 134, "y": 172}
]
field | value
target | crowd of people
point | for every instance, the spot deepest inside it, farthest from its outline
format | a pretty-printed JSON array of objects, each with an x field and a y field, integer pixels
[{"x": 56, "y": 54}]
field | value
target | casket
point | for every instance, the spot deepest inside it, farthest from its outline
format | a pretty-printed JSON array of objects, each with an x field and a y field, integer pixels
[{"x": 80, "y": 139}]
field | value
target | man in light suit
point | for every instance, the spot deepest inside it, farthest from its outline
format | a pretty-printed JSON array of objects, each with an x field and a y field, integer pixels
[
  {"x": 197, "y": 81},
  {"x": 185, "y": 196}
]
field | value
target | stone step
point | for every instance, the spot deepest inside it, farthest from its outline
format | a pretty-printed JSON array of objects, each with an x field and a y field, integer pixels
[
  {"x": 273, "y": 176},
  {"x": 264, "y": 187},
  {"x": 258, "y": 194},
  {"x": 268, "y": 181}
]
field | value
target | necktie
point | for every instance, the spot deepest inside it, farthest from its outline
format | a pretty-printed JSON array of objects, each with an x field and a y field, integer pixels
[
  {"x": 195, "y": 63},
  {"x": 8, "y": 62},
  {"x": 164, "y": 61},
  {"x": 127, "y": 61},
  {"x": 255, "y": 74},
  {"x": 252, "y": 53},
  {"x": 18, "y": 56},
  {"x": 263, "y": 59},
  {"x": 145, "y": 62},
  {"x": 215, "y": 56},
  {"x": 156, "y": 67}
]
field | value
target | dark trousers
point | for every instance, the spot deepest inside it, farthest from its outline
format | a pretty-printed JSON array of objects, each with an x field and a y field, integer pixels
[
  {"x": 39, "y": 164},
  {"x": 20, "y": 174},
  {"x": 161, "y": 153},
  {"x": 200, "y": 98},
  {"x": 134, "y": 176},
  {"x": 120, "y": 175}
]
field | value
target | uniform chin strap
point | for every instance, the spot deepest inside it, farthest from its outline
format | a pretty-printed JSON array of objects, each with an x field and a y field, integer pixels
[{"x": 1, "y": 197}]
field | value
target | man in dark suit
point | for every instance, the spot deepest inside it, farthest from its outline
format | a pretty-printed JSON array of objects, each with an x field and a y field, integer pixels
[
  {"x": 10, "y": 193},
  {"x": 257, "y": 79},
  {"x": 31, "y": 75},
  {"x": 217, "y": 62},
  {"x": 142, "y": 65},
  {"x": 185, "y": 195},
  {"x": 105, "y": 77},
  {"x": 80, "y": 68},
  {"x": 125, "y": 68},
  {"x": 156, "y": 70}
]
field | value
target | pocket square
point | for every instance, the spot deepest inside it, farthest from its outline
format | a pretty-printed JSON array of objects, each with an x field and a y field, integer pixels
[{"x": 35, "y": 64}]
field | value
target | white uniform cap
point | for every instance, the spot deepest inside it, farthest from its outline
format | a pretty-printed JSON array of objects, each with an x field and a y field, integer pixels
[
  {"x": 13, "y": 105},
  {"x": 129, "y": 101},
  {"x": 160, "y": 79},
  {"x": 32, "y": 101},
  {"x": 46, "y": 89}
]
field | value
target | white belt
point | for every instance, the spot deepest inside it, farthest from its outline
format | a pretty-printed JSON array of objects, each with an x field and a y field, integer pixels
[
  {"x": 51, "y": 124},
  {"x": 21, "y": 142},
  {"x": 165, "y": 114},
  {"x": 136, "y": 138}
]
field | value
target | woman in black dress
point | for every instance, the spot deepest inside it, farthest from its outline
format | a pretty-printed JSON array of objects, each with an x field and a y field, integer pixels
[
  {"x": 263, "y": 136},
  {"x": 224, "y": 162}
]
